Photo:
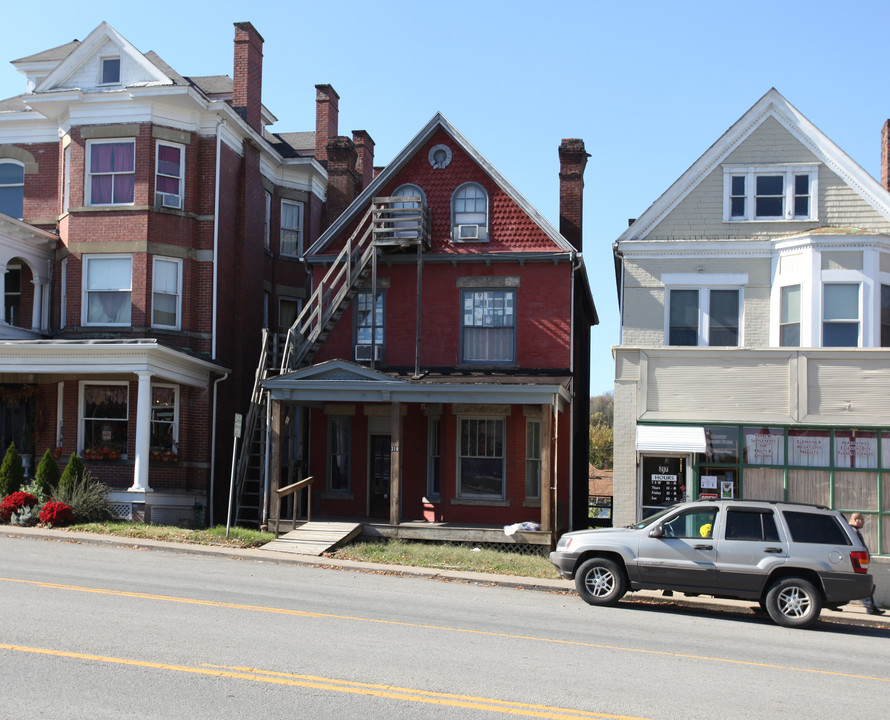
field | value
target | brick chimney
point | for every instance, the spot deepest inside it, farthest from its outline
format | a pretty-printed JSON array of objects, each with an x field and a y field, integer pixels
[
  {"x": 364, "y": 166},
  {"x": 247, "y": 88},
  {"x": 327, "y": 112},
  {"x": 885, "y": 155},
  {"x": 572, "y": 161},
  {"x": 343, "y": 178}
]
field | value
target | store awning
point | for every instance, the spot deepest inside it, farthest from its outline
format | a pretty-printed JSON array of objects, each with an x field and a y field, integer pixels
[{"x": 670, "y": 438}]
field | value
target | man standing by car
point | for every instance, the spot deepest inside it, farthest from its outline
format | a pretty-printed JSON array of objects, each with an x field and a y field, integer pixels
[{"x": 856, "y": 522}]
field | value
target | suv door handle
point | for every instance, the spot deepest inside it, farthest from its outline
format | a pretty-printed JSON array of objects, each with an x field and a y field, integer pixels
[
  {"x": 772, "y": 550},
  {"x": 703, "y": 547}
]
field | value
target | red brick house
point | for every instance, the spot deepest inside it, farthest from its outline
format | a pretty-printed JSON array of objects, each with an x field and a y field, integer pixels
[
  {"x": 150, "y": 226},
  {"x": 440, "y": 371}
]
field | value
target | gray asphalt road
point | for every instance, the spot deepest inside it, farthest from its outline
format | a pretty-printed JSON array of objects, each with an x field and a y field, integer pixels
[{"x": 101, "y": 632}]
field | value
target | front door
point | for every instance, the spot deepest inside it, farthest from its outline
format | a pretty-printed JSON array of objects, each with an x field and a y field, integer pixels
[
  {"x": 664, "y": 482},
  {"x": 381, "y": 448}
]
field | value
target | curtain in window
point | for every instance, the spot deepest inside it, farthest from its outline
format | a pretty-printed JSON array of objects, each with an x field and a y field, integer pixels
[
  {"x": 166, "y": 293},
  {"x": 112, "y": 173},
  {"x": 108, "y": 291},
  {"x": 169, "y": 169},
  {"x": 105, "y": 417},
  {"x": 291, "y": 231}
]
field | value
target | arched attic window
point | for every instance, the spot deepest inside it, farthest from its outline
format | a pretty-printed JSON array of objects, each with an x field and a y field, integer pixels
[
  {"x": 411, "y": 223},
  {"x": 469, "y": 213}
]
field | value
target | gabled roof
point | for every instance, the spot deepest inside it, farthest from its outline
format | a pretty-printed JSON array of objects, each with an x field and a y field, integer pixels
[
  {"x": 56, "y": 53},
  {"x": 90, "y": 45},
  {"x": 772, "y": 105},
  {"x": 436, "y": 123}
]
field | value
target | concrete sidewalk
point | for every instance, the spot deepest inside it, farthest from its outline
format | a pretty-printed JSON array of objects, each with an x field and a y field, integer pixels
[{"x": 852, "y": 614}]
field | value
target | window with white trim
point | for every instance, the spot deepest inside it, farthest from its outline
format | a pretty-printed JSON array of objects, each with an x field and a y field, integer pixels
[
  {"x": 166, "y": 299},
  {"x": 481, "y": 466},
  {"x": 107, "y": 289},
  {"x": 111, "y": 172},
  {"x": 169, "y": 175},
  {"x": 840, "y": 315},
  {"x": 104, "y": 419},
  {"x": 12, "y": 188},
  {"x": 704, "y": 316},
  {"x": 488, "y": 326},
  {"x": 164, "y": 419},
  {"x": 109, "y": 71},
  {"x": 770, "y": 193},
  {"x": 291, "y": 228},
  {"x": 789, "y": 320},
  {"x": 469, "y": 213},
  {"x": 12, "y": 291},
  {"x": 885, "y": 315}
]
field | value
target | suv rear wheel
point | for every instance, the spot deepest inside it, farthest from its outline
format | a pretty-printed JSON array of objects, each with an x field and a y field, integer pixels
[
  {"x": 794, "y": 602},
  {"x": 600, "y": 581}
]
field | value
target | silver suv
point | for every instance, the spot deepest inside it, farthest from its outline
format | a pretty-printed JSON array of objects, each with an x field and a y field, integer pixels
[{"x": 793, "y": 559}]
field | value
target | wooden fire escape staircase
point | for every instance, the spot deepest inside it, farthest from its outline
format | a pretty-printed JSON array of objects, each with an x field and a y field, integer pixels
[{"x": 390, "y": 224}]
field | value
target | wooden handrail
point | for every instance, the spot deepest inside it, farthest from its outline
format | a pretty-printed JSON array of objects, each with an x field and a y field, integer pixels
[{"x": 289, "y": 490}]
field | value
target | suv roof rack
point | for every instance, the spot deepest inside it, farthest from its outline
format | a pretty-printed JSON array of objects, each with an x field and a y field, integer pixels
[{"x": 768, "y": 502}]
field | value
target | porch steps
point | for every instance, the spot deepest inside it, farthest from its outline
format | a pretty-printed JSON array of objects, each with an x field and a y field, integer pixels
[{"x": 314, "y": 538}]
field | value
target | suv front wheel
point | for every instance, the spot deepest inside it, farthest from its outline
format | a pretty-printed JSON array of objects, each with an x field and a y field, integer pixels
[
  {"x": 794, "y": 602},
  {"x": 600, "y": 581}
]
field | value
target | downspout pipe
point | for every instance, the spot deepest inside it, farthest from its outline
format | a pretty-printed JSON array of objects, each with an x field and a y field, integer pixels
[{"x": 213, "y": 442}]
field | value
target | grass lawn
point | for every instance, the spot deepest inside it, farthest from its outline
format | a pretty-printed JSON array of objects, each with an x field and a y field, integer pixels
[{"x": 390, "y": 552}]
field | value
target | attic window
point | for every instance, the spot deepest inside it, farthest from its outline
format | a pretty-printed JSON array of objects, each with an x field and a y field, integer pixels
[
  {"x": 770, "y": 193},
  {"x": 110, "y": 73}
]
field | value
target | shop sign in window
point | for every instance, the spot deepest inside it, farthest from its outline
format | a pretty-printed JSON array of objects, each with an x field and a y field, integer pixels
[
  {"x": 764, "y": 446},
  {"x": 722, "y": 444},
  {"x": 855, "y": 449},
  {"x": 809, "y": 448}
]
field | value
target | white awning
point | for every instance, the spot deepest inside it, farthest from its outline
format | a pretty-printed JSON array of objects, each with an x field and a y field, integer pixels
[{"x": 671, "y": 438}]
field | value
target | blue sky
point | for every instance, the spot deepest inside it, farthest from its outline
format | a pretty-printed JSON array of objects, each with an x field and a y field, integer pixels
[{"x": 649, "y": 86}]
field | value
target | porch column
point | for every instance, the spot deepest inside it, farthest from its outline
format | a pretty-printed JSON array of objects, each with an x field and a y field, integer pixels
[
  {"x": 37, "y": 309},
  {"x": 275, "y": 465},
  {"x": 546, "y": 467},
  {"x": 395, "y": 508},
  {"x": 143, "y": 433}
]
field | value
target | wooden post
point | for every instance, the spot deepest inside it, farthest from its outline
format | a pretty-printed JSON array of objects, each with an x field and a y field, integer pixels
[
  {"x": 395, "y": 509},
  {"x": 546, "y": 467},
  {"x": 275, "y": 465}
]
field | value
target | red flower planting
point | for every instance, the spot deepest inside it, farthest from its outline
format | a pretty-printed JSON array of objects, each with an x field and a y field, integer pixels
[
  {"x": 14, "y": 503},
  {"x": 56, "y": 514}
]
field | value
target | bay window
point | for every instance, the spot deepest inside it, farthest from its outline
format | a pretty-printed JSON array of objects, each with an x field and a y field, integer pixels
[
  {"x": 840, "y": 315},
  {"x": 164, "y": 420},
  {"x": 111, "y": 172},
  {"x": 169, "y": 175},
  {"x": 166, "y": 293},
  {"x": 107, "y": 289},
  {"x": 789, "y": 323},
  {"x": 291, "y": 228},
  {"x": 104, "y": 420}
]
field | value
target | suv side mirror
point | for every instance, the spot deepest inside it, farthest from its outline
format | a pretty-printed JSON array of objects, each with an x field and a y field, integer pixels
[{"x": 657, "y": 531}]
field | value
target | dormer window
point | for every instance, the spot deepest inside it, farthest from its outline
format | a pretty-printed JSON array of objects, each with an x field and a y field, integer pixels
[
  {"x": 778, "y": 193},
  {"x": 469, "y": 212},
  {"x": 110, "y": 71}
]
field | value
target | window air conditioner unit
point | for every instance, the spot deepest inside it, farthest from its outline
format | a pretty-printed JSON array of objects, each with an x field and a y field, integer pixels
[
  {"x": 363, "y": 352},
  {"x": 468, "y": 232},
  {"x": 169, "y": 200}
]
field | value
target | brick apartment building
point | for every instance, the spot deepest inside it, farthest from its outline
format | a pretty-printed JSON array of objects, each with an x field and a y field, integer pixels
[{"x": 150, "y": 226}]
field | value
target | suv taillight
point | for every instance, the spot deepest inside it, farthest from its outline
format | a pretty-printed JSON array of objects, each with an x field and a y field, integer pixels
[{"x": 860, "y": 561}]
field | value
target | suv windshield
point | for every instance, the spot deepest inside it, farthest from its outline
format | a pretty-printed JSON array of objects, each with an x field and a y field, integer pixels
[{"x": 645, "y": 522}]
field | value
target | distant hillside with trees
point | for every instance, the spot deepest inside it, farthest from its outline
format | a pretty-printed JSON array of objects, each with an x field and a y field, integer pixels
[{"x": 602, "y": 414}]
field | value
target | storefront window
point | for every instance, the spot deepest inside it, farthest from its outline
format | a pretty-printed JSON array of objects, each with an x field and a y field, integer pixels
[
  {"x": 809, "y": 448},
  {"x": 855, "y": 449},
  {"x": 764, "y": 445},
  {"x": 723, "y": 444}
]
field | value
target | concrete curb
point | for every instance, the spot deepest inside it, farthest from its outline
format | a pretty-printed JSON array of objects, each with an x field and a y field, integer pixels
[{"x": 851, "y": 614}]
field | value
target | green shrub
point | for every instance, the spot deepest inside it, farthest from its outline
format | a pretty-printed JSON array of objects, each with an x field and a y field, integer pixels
[
  {"x": 12, "y": 473},
  {"x": 87, "y": 498},
  {"x": 74, "y": 472},
  {"x": 33, "y": 488},
  {"x": 48, "y": 474}
]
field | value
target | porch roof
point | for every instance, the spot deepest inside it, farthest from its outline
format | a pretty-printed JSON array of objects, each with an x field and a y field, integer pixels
[
  {"x": 342, "y": 381},
  {"x": 105, "y": 357}
]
